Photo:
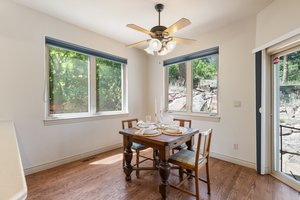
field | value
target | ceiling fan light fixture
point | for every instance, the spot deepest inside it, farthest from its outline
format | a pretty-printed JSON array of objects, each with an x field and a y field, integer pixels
[
  {"x": 163, "y": 51},
  {"x": 149, "y": 51},
  {"x": 171, "y": 45},
  {"x": 155, "y": 45}
]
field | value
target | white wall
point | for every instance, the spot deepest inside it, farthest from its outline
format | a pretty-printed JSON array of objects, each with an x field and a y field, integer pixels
[
  {"x": 22, "y": 82},
  {"x": 22, "y": 68},
  {"x": 237, "y": 83},
  {"x": 277, "y": 19}
]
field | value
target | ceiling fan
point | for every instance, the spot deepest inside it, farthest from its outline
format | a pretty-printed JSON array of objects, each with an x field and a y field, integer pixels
[{"x": 162, "y": 41}]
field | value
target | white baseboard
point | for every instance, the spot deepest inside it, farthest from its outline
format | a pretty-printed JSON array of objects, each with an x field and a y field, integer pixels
[
  {"x": 233, "y": 160},
  {"x": 267, "y": 170},
  {"x": 56, "y": 163}
]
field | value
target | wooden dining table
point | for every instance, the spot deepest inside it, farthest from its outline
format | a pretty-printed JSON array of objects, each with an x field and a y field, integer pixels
[{"x": 163, "y": 143}]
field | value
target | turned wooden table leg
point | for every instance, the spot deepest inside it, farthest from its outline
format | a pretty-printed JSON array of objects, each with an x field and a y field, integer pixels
[
  {"x": 164, "y": 171},
  {"x": 156, "y": 159},
  {"x": 128, "y": 157}
]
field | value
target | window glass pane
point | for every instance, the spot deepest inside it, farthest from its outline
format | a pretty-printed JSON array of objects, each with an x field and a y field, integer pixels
[
  {"x": 289, "y": 75},
  {"x": 68, "y": 81},
  {"x": 205, "y": 84},
  {"x": 288, "y": 110},
  {"x": 109, "y": 85},
  {"x": 177, "y": 87}
]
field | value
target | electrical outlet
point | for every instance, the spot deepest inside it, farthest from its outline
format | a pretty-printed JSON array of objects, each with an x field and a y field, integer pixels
[{"x": 235, "y": 146}]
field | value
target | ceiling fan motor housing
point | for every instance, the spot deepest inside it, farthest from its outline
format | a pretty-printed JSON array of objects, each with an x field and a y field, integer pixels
[{"x": 159, "y": 32}]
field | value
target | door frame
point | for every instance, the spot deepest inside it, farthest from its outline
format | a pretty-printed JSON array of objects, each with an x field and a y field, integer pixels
[{"x": 274, "y": 100}]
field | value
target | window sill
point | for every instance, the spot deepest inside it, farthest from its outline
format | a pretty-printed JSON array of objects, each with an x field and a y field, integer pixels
[
  {"x": 212, "y": 118},
  {"x": 82, "y": 118}
]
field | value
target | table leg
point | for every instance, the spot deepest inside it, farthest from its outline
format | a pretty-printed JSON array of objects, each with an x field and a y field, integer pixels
[
  {"x": 128, "y": 157},
  {"x": 164, "y": 171},
  {"x": 155, "y": 159}
]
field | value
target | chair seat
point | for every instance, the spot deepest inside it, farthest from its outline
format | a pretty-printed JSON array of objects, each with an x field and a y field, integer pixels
[
  {"x": 185, "y": 156},
  {"x": 137, "y": 146}
]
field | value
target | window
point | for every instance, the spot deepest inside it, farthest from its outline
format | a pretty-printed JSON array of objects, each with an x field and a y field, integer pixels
[
  {"x": 109, "y": 85},
  {"x": 205, "y": 84},
  {"x": 177, "y": 87},
  {"x": 68, "y": 81},
  {"x": 192, "y": 85},
  {"x": 83, "y": 82}
]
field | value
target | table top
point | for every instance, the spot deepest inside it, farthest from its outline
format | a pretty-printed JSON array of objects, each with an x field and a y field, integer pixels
[{"x": 161, "y": 139}]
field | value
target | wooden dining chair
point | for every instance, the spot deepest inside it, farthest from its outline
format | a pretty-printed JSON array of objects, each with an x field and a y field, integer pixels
[
  {"x": 183, "y": 123},
  {"x": 138, "y": 147},
  {"x": 193, "y": 161}
]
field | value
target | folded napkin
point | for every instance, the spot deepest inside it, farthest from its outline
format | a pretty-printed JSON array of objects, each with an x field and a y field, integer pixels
[
  {"x": 140, "y": 131},
  {"x": 178, "y": 130},
  {"x": 140, "y": 122},
  {"x": 184, "y": 130},
  {"x": 146, "y": 131}
]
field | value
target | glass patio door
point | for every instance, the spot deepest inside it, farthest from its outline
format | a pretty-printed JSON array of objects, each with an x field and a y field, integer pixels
[{"x": 286, "y": 114}]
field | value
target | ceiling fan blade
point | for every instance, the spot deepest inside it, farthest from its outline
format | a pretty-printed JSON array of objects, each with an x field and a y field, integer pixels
[
  {"x": 183, "y": 22},
  {"x": 183, "y": 40},
  {"x": 138, "y": 43},
  {"x": 138, "y": 28}
]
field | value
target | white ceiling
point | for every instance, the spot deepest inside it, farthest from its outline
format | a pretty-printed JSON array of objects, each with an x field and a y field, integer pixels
[{"x": 109, "y": 17}]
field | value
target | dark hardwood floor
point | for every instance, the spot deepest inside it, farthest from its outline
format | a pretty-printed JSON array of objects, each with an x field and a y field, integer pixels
[{"x": 102, "y": 178}]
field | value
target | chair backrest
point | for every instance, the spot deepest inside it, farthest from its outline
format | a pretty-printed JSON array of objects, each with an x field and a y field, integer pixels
[
  {"x": 182, "y": 122},
  {"x": 206, "y": 145},
  {"x": 128, "y": 123}
]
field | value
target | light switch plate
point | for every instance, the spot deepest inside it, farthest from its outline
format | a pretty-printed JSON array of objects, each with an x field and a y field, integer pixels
[{"x": 237, "y": 104}]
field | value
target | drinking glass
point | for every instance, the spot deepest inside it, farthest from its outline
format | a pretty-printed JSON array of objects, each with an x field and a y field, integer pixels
[{"x": 148, "y": 119}]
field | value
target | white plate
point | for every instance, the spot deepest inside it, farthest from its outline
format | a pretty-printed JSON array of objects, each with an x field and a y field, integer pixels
[
  {"x": 150, "y": 132},
  {"x": 172, "y": 130}
]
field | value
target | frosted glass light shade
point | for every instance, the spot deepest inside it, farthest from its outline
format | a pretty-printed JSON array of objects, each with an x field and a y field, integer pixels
[
  {"x": 171, "y": 45},
  {"x": 149, "y": 51},
  {"x": 155, "y": 45}
]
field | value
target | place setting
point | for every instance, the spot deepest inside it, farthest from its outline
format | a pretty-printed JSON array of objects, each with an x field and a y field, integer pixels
[
  {"x": 166, "y": 126},
  {"x": 147, "y": 128}
]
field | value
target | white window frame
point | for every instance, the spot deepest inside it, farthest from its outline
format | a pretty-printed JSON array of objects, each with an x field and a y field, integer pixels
[
  {"x": 92, "y": 114},
  {"x": 189, "y": 83}
]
